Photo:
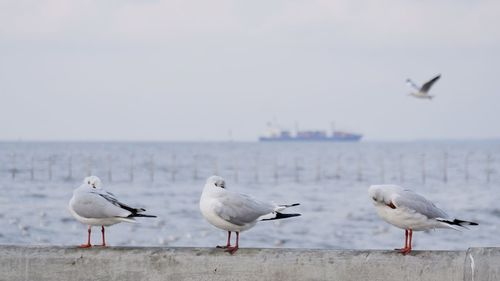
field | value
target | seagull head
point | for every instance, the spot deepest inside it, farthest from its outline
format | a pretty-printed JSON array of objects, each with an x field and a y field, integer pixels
[
  {"x": 93, "y": 181},
  {"x": 217, "y": 181},
  {"x": 375, "y": 193},
  {"x": 382, "y": 194}
]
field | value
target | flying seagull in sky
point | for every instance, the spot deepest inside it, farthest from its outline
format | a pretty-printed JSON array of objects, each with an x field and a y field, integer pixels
[
  {"x": 407, "y": 210},
  {"x": 235, "y": 212},
  {"x": 93, "y": 206},
  {"x": 423, "y": 92}
]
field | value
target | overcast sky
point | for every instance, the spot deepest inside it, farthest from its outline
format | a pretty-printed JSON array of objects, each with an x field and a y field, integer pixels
[{"x": 196, "y": 70}]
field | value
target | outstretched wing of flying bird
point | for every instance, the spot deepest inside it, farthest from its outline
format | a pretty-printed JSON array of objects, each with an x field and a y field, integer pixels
[
  {"x": 409, "y": 82},
  {"x": 427, "y": 86}
]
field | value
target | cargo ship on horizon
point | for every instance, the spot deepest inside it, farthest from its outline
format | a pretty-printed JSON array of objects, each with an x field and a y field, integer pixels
[{"x": 278, "y": 135}]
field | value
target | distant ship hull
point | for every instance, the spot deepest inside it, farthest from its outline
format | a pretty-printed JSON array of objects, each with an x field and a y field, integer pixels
[
  {"x": 343, "y": 138},
  {"x": 279, "y": 135}
]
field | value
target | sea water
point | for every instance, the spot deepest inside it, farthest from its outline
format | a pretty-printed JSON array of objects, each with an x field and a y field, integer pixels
[{"x": 330, "y": 180}]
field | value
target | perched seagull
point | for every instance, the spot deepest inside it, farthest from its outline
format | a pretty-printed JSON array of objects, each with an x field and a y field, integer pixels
[
  {"x": 423, "y": 92},
  {"x": 93, "y": 206},
  {"x": 235, "y": 212},
  {"x": 407, "y": 210}
]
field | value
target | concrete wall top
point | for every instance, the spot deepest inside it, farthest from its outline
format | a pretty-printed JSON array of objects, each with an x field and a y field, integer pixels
[{"x": 151, "y": 263}]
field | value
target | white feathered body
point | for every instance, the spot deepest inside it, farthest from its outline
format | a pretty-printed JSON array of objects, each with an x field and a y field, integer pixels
[
  {"x": 232, "y": 211},
  {"x": 421, "y": 95},
  {"x": 90, "y": 208},
  {"x": 211, "y": 216},
  {"x": 406, "y": 219},
  {"x": 406, "y": 209}
]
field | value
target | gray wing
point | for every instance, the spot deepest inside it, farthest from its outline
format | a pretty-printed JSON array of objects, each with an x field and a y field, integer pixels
[
  {"x": 110, "y": 197},
  {"x": 427, "y": 86},
  {"x": 415, "y": 86},
  {"x": 409, "y": 199},
  {"x": 95, "y": 205},
  {"x": 241, "y": 209}
]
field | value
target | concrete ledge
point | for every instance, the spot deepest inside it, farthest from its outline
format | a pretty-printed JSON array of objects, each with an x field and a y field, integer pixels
[
  {"x": 123, "y": 264},
  {"x": 482, "y": 264}
]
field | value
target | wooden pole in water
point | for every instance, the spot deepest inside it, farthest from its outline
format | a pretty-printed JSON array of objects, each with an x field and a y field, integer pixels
[
  {"x": 152, "y": 168},
  {"x": 424, "y": 175},
  {"x": 235, "y": 170},
  {"x": 382, "y": 170},
  {"x": 32, "y": 168},
  {"x": 466, "y": 166},
  {"x": 70, "y": 167},
  {"x": 14, "y": 168},
  {"x": 89, "y": 166},
  {"x": 174, "y": 167},
  {"x": 216, "y": 167},
  {"x": 131, "y": 171},
  {"x": 488, "y": 167},
  {"x": 110, "y": 168},
  {"x": 276, "y": 171},
  {"x": 256, "y": 169},
  {"x": 338, "y": 170},
  {"x": 318, "y": 169},
  {"x": 195, "y": 167},
  {"x": 49, "y": 166},
  {"x": 297, "y": 172},
  {"x": 445, "y": 167},
  {"x": 360, "y": 168},
  {"x": 401, "y": 168}
]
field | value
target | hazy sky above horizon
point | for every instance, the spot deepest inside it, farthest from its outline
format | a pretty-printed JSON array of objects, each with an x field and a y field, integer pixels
[{"x": 196, "y": 70}]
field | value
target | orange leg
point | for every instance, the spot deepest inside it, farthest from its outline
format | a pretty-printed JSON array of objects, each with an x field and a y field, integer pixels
[
  {"x": 407, "y": 249},
  {"x": 233, "y": 250},
  {"x": 228, "y": 241},
  {"x": 103, "y": 239},
  {"x": 88, "y": 240}
]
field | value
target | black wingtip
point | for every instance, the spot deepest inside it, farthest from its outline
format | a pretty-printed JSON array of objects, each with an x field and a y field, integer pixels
[
  {"x": 282, "y": 216},
  {"x": 462, "y": 223},
  {"x": 290, "y": 205},
  {"x": 458, "y": 222},
  {"x": 141, "y": 216}
]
